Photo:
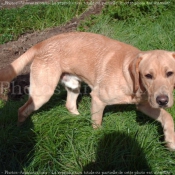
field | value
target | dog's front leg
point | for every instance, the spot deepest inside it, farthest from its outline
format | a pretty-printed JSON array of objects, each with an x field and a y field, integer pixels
[
  {"x": 165, "y": 119},
  {"x": 97, "y": 108}
]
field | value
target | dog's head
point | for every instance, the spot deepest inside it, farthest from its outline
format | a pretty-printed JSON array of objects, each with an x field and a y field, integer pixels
[{"x": 154, "y": 73}]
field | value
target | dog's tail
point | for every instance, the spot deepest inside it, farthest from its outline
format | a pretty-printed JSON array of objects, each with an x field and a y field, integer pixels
[{"x": 11, "y": 71}]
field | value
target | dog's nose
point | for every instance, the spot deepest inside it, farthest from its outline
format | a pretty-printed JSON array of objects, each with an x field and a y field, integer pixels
[{"x": 162, "y": 100}]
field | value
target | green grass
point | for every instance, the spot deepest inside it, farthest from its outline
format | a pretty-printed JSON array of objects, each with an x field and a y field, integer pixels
[
  {"x": 17, "y": 21},
  {"x": 54, "y": 141}
]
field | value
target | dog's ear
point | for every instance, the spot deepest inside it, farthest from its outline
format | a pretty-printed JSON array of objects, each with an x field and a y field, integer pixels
[
  {"x": 134, "y": 71},
  {"x": 173, "y": 55},
  {"x": 174, "y": 58}
]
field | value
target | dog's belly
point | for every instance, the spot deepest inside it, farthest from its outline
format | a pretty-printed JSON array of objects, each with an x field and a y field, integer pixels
[
  {"x": 118, "y": 99},
  {"x": 108, "y": 94},
  {"x": 115, "y": 95}
]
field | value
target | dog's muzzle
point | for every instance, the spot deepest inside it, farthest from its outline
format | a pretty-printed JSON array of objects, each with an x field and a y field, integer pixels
[{"x": 162, "y": 100}]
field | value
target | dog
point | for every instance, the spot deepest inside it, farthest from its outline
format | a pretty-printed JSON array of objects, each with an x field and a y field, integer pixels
[{"x": 117, "y": 73}]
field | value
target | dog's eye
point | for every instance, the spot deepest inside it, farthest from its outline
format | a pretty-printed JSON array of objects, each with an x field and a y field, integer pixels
[
  {"x": 149, "y": 76},
  {"x": 168, "y": 74}
]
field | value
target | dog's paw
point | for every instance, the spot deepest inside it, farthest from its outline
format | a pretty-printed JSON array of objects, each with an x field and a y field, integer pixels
[
  {"x": 72, "y": 110},
  {"x": 171, "y": 144},
  {"x": 75, "y": 112}
]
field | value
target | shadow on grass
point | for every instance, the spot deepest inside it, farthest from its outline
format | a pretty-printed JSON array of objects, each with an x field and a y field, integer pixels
[
  {"x": 16, "y": 143},
  {"x": 118, "y": 153}
]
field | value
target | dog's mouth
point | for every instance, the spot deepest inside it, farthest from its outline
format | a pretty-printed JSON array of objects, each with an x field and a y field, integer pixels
[
  {"x": 155, "y": 105},
  {"x": 165, "y": 106}
]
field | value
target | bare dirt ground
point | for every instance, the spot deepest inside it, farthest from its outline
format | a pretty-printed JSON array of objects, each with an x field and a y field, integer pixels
[{"x": 12, "y": 50}]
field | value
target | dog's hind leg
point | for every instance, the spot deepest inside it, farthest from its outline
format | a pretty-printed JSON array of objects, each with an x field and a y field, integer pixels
[
  {"x": 43, "y": 81},
  {"x": 71, "y": 101},
  {"x": 72, "y": 85}
]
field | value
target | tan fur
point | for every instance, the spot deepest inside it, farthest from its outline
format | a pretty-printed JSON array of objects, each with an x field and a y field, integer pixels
[{"x": 115, "y": 71}]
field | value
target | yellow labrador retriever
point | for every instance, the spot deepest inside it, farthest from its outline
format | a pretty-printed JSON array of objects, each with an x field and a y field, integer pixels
[{"x": 117, "y": 73}]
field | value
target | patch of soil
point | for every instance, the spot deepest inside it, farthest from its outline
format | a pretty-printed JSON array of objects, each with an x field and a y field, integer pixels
[{"x": 12, "y": 50}]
